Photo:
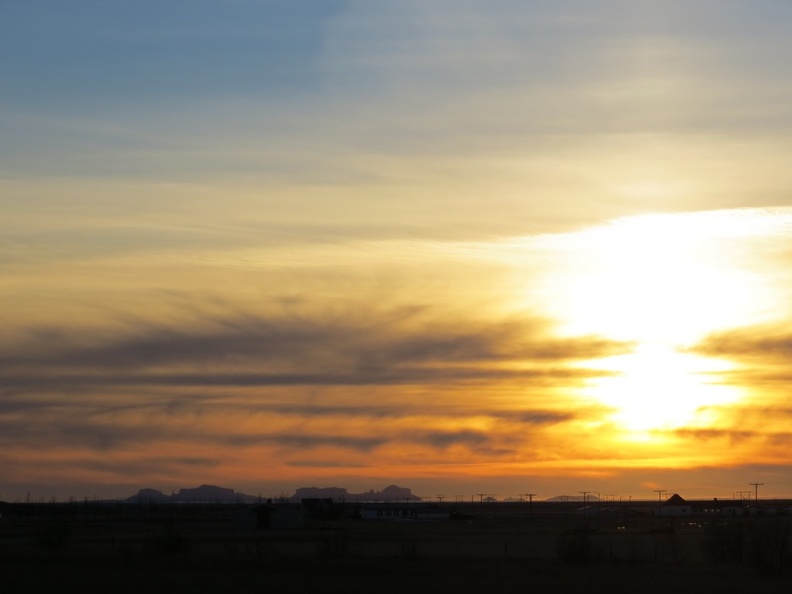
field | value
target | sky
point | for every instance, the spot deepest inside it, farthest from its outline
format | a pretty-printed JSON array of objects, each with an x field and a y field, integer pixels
[{"x": 459, "y": 246}]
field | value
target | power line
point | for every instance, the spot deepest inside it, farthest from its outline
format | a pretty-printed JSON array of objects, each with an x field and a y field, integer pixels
[{"x": 756, "y": 489}]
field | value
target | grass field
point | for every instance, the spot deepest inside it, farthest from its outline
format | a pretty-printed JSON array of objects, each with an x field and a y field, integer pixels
[{"x": 487, "y": 550}]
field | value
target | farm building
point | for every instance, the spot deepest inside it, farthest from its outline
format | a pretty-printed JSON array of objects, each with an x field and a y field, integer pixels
[
  {"x": 267, "y": 516},
  {"x": 403, "y": 511},
  {"x": 675, "y": 506}
]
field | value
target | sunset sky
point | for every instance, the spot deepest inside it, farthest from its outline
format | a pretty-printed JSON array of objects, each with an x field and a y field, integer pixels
[{"x": 462, "y": 246}]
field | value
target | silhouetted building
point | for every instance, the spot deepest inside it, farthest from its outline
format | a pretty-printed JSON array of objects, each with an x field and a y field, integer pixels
[
  {"x": 403, "y": 511},
  {"x": 270, "y": 517},
  {"x": 676, "y": 506}
]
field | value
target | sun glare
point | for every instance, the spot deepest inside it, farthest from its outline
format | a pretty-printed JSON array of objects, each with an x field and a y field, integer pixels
[
  {"x": 657, "y": 387},
  {"x": 652, "y": 278},
  {"x": 660, "y": 283}
]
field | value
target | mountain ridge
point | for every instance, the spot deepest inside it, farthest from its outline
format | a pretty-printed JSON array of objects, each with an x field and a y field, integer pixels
[
  {"x": 389, "y": 493},
  {"x": 202, "y": 494},
  {"x": 214, "y": 494}
]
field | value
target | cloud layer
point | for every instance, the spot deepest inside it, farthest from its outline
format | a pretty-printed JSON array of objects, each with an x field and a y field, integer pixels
[{"x": 344, "y": 240}]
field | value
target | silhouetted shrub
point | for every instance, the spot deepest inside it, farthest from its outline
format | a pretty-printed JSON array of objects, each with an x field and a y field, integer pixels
[
  {"x": 576, "y": 547},
  {"x": 167, "y": 542},
  {"x": 334, "y": 545},
  {"x": 771, "y": 544},
  {"x": 409, "y": 550},
  {"x": 55, "y": 536},
  {"x": 668, "y": 547},
  {"x": 725, "y": 542}
]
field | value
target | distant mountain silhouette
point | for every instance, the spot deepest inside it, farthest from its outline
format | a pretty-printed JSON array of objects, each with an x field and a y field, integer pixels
[
  {"x": 149, "y": 496},
  {"x": 202, "y": 494},
  {"x": 214, "y": 494},
  {"x": 573, "y": 498},
  {"x": 389, "y": 493}
]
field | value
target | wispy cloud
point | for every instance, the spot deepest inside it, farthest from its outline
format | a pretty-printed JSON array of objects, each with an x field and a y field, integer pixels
[
  {"x": 336, "y": 386},
  {"x": 351, "y": 348},
  {"x": 770, "y": 344},
  {"x": 724, "y": 435}
]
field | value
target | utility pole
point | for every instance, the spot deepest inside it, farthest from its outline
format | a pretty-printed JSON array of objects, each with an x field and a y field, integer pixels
[
  {"x": 585, "y": 494},
  {"x": 659, "y": 499},
  {"x": 756, "y": 489},
  {"x": 530, "y": 497}
]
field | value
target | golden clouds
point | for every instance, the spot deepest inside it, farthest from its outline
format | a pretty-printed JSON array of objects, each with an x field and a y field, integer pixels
[
  {"x": 297, "y": 358},
  {"x": 314, "y": 389}
]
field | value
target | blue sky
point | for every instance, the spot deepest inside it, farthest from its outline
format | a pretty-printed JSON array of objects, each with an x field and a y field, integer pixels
[
  {"x": 365, "y": 92},
  {"x": 94, "y": 55},
  {"x": 82, "y": 79}
]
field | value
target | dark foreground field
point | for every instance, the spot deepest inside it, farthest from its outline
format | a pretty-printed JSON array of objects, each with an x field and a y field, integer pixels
[
  {"x": 204, "y": 550},
  {"x": 377, "y": 576}
]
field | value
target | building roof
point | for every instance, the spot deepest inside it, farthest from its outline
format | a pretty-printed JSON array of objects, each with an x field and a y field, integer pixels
[{"x": 675, "y": 499}]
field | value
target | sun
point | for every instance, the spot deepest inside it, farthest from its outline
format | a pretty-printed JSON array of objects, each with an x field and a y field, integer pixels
[
  {"x": 657, "y": 387},
  {"x": 660, "y": 283}
]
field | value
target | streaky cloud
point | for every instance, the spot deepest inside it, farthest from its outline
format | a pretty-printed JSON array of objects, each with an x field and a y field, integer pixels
[
  {"x": 728, "y": 435},
  {"x": 767, "y": 343},
  {"x": 350, "y": 348}
]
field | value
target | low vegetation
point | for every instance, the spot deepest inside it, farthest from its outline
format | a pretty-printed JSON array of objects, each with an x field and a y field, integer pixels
[{"x": 484, "y": 548}]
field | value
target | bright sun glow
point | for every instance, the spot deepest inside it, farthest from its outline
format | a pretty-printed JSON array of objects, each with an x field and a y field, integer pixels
[
  {"x": 655, "y": 278},
  {"x": 661, "y": 283},
  {"x": 657, "y": 387}
]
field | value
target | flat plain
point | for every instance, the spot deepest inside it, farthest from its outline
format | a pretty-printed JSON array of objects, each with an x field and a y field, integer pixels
[{"x": 497, "y": 547}]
